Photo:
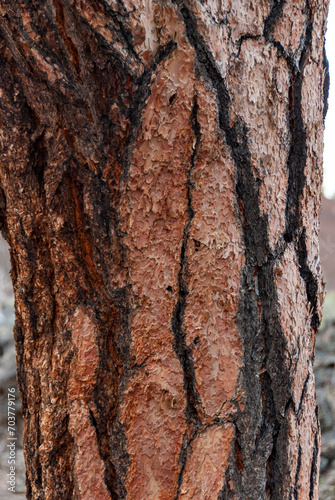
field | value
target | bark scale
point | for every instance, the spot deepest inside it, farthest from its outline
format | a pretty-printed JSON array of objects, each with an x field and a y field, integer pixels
[{"x": 161, "y": 174}]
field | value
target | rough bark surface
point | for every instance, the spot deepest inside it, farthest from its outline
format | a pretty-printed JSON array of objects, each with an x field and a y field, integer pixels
[{"x": 161, "y": 172}]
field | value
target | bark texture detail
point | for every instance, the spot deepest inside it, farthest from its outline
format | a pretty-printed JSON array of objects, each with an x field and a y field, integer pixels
[{"x": 160, "y": 183}]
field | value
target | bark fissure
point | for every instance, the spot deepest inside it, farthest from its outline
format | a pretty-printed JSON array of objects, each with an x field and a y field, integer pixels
[
  {"x": 125, "y": 34},
  {"x": 298, "y": 149},
  {"x": 72, "y": 49},
  {"x": 297, "y": 475},
  {"x": 273, "y": 18},
  {"x": 109, "y": 474},
  {"x": 297, "y": 179},
  {"x": 184, "y": 353},
  {"x": 314, "y": 466},
  {"x": 303, "y": 394},
  {"x": 143, "y": 86},
  {"x": 309, "y": 279},
  {"x": 111, "y": 436},
  {"x": 184, "y": 451},
  {"x": 326, "y": 83}
]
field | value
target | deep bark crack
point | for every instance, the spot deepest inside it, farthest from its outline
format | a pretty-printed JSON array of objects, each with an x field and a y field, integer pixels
[
  {"x": 297, "y": 475},
  {"x": 184, "y": 353},
  {"x": 314, "y": 466},
  {"x": 142, "y": 91},
  {"x": 297, "y": 179},
  {"x": 273, "y": 18}
]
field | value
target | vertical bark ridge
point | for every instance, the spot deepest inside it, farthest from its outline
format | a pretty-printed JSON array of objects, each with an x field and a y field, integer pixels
[
  {"x": 111, "y": 309},
  {"x": 297, "y": 178},
  {"x": 142, "y": 87}
]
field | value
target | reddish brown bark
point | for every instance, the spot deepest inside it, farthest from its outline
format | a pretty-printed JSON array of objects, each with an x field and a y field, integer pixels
[{"x": 160, "y": 190}]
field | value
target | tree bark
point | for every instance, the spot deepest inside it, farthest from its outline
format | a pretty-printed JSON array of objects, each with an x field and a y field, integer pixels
[{"x": 161, "y": 176}]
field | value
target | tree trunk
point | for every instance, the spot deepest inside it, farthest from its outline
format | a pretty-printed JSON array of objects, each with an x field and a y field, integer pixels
[{"x": 160, "y": 189}]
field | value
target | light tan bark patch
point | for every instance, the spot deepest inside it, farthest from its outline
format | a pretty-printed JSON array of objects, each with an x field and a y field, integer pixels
[
  {"x": 89, "y": 467},
  {"x": 207, "y": 463},
  {"x": 247, "y": 17},
  {"x": 215, "y": 260},
  {"x": 154, "y": 420},
  {"x": 295, "y": 320}
]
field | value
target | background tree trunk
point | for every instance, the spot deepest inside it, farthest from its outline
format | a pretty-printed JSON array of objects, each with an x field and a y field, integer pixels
[{"x": 160, "y": 188}]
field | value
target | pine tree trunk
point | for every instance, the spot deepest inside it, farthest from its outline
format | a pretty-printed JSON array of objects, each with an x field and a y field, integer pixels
[{"x": 161, "y": 174}]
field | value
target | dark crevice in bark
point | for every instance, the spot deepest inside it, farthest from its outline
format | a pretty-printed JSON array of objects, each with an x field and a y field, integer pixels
[
  {"x": 297, "y": 155},
  {"x": 185, "y": 449},
  {"x": 142, "y": 89},
  {"x": 118, "y": 19},
  {"x": 119, "y": 458},
  {"x": 232, "y": 480},
  {"x": 70, "y": 46},
  {"x": 109, "y": 475},
  {"x": 21, "y": 372},
  {"x": 297, "y": 474},
  {"x": 226, "y": 492},
  {"x": 273, "y": 18},
  {"x": 314, "y": 467},
  {"x": 303, "y": 394},
  {"x": 289, "y": 406},
  {"x": 326, "y": 82},
  {"x": 297, "y": 179},
  {"x": 3, "y": 218},
  {"x": 85, "y": 250},
  {"x": 268, "y": 417},
  {"x": 245, "y": 37},
  {"x": 39, "y": 159},
  {"x": 309, "y": 279},
  {"x": 110, "y": 433},
  {"x": 93, "y": 420},
  {"x": 271, "y": 484},
  {"x": 184, "y": 353}
]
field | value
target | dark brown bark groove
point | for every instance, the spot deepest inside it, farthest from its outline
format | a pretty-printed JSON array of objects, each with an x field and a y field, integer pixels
[{"x": 159, "y": 189}]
